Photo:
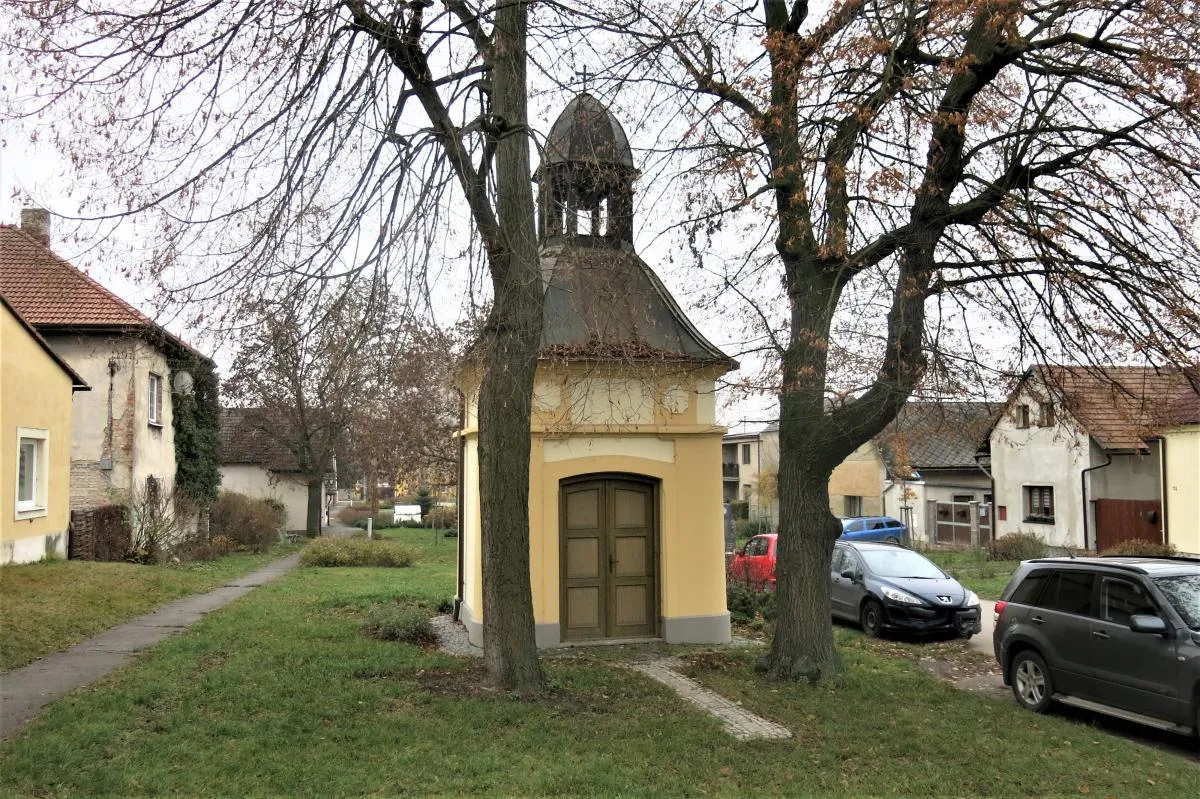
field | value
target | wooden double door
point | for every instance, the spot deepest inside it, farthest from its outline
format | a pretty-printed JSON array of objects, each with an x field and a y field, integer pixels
[{"x": 608, "y": 532}]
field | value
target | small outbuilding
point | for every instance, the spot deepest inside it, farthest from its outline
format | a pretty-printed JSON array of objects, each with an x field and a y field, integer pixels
[{"x": 626, "y": 531}]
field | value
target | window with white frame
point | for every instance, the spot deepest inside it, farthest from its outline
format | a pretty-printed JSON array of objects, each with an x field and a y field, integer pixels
[
  {"x": 155, "y": 393},
  {"x": 32, "y": 460}
]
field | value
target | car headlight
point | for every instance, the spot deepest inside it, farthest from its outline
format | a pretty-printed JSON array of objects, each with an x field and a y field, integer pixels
[
  {"x": 897, "y": 595},
  {"x": 971, "y": 600}
]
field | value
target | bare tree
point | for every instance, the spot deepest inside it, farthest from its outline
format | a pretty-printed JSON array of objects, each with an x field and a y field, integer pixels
[
  {"x": 324, "y": 138},
  {"x": 410, "y": 410},
  {"x": 942, "y": 188},
  {"x": 302, "y": 370}
]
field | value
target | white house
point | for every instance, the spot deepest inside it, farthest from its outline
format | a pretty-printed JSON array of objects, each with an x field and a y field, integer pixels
[
  {"x": 1076, "y": 455},
  {"x": 256, "y": 464}
]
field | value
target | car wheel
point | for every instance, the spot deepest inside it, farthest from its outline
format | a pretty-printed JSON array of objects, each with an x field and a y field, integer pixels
[
  {"x": 891, "y": 539},
  {"x": 871, "y": 618},
  {"x": 1031, "y": 683}
]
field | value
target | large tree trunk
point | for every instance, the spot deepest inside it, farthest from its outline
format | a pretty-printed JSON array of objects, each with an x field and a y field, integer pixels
[
  {"x": 802, "y": 646},
  {"x": 512, "y": 339},
  {"x": 316, "y": 495}
]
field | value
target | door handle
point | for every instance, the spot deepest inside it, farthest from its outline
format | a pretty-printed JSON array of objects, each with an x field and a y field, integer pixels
[
  {"x": 612, "y": 562},
  {"x": 1099, "y": 634},
  {"x": 1038, "y": 620}
]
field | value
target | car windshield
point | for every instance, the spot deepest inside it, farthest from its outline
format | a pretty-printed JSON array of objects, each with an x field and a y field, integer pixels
[
  {"x": 1184, "y": 593},
  {"x": 900, "y": 563}
]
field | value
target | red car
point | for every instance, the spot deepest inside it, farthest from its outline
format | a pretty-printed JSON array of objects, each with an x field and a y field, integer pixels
[{"x": 755, "y": 564}]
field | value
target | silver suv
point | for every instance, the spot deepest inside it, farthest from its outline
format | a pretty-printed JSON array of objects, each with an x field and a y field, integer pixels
[{"x": 1119, "y": 636}]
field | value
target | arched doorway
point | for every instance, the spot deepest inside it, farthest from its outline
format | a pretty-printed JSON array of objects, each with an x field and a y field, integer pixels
[{"x": 608, "y": 557}]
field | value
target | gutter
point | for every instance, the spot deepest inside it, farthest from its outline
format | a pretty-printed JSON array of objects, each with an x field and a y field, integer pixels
[
  {"x": 1083, "y": 491},
  {"x": 462, "y": 489}
]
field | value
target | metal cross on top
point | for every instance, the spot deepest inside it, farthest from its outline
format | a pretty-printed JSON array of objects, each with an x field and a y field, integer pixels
[{"x": 584, "y": 75}]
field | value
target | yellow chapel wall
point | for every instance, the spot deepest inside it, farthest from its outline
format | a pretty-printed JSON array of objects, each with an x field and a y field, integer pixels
[{"x": 676, "y": 442}]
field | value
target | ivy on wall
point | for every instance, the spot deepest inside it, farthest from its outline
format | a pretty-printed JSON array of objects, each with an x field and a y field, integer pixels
[{"x": 197, "y": 424}]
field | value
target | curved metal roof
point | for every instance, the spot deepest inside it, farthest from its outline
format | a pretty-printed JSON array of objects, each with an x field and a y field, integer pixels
[{"x": 587, "y": 132}]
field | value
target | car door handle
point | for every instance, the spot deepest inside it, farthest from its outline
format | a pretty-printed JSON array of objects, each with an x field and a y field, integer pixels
[
  {"x": 1038, "y": 620},
  {"x": 1099, "y": 634}
]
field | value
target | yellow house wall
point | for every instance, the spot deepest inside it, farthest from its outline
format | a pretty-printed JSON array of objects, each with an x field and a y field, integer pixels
[
  {"x": 1181, "y": 494},
  {"x": 674, "y": 440},
  {"x": 859, "y": 475},
  {"x": 34, "y": 393}
]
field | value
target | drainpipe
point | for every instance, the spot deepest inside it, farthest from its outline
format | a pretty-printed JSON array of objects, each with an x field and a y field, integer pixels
[
  {"x": 1162, "y": 486},
  {"x": 1083, "y": 491},
  {"x": 462, "y": 490}
]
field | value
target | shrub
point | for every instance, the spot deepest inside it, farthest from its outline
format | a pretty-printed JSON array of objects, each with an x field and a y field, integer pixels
[
  {"x": 748, "y": 527},
  {"x": 399, "y": 623},
  {"x": 380, "y": 520},
  {"x": 1140, "y": 547},
  {"x": 739, "y": 509},
  {"x": 350, "y": 515},
  {"x": 253, "y": 523},
  {"x": 356, "y": 552},
  {"x": 745, "y": 604},
  {"x": 223, "y": 544},
  {"x": 1016, "y": 546},
  {"x": 442, "y": 518}
]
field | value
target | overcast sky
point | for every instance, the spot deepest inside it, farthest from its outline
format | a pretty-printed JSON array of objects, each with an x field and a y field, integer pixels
[{"x": 31, "y": 174}]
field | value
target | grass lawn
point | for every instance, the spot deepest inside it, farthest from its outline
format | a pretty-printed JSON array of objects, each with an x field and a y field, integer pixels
[
  {"x": 972, "y": 568},
  {"x": 282, "y": 694},
  {"x": 50, "y": 605}
]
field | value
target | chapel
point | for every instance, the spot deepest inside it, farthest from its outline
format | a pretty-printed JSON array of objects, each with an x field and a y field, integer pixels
[{"x": 626, "y": 519}]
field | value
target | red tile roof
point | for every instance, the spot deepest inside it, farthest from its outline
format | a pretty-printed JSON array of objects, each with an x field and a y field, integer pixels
[
  {"x": 49, "y": 292},
  {"x": 1123, "y": 406}
]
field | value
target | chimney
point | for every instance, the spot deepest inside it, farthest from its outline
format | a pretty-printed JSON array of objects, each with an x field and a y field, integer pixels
[{"x": 36, "y": 222}]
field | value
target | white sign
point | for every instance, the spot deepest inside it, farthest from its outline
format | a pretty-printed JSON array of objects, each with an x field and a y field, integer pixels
[{"x": 406, "y": 513}]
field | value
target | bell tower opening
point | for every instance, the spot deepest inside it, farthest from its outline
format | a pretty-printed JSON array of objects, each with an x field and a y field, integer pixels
[{"x": 586, "y": 177}]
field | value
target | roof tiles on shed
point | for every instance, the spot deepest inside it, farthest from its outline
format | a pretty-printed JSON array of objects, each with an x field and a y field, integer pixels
[{"x": 247, "y": 438}]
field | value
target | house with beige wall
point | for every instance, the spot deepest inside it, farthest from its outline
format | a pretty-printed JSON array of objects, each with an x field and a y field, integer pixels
[
  {"x": 626, "y": 525},
  {"x": 122, "y": 447},
  {"x": 255, "y": 464},
  {"x": 36, "y": 391},
  {"x": 1180, "y": 443}
]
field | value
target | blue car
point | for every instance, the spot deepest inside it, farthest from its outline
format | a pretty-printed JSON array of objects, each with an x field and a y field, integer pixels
[{"x": 874, "y": 528}]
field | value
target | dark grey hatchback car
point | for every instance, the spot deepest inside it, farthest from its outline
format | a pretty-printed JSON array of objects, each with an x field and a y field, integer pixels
[
  {"x": 1119, "y": 636},
  {"x": 887, "y": 587}
]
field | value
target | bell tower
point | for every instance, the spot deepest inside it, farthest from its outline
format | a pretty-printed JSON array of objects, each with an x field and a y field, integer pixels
[{"x": 586, "y": 178}]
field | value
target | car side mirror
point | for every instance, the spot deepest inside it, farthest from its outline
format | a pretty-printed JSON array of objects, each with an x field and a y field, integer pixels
[
  {"x": 850, "y": 575},
  {"x": 1146, "y": 623},
  {"x": 740, "y": 552}
]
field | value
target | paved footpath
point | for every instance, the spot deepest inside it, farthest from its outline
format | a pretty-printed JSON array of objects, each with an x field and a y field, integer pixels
[
  {"x": 24, "y": 692},
  {"x": 738, "y": 722}
]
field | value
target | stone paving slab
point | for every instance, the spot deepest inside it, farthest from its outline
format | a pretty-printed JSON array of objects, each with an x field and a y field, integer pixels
[
  {"x": 25, "y": 691},
  {"x": 739, "y": 722}
]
